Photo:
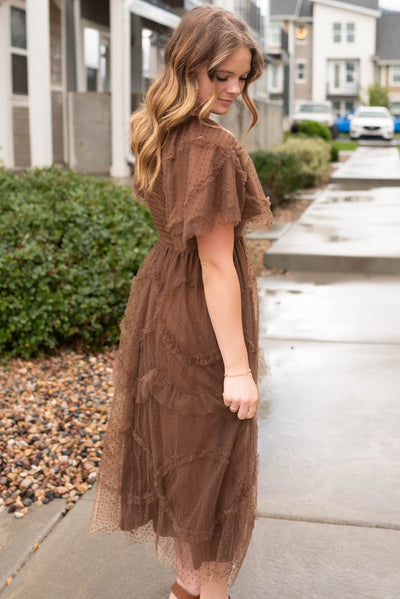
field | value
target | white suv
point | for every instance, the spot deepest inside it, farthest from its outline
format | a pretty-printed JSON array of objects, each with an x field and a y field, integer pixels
[{"x": 321, "y": 112}]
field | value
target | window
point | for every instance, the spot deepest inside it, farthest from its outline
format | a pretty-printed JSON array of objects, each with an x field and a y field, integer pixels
[
  {"x": 301, "y": 73},
  {"x": 395, "y": 74},
  {"x": 349, "y": 105},
  {"x": 350, "y": 72},
  {"x": 153, "y": 48},
  {"x": 19, "y": 54},
  {"x": 96, "y": 59},
  {"x": 105, "y": 65},
  {"x": 336, "y": 76},
  {"x": 274, "y": 78},
  {"x": 275, "y": 35},
  {"x": 336, "y": 105},
  {"x": 350, "y": 32},
  {"x": 395, "y": 109},
  {"x": 337, "y": 32}
]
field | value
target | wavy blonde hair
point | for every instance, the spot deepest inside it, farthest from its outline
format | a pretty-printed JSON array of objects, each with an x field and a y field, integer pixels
[{"x": 206, "y": 36}]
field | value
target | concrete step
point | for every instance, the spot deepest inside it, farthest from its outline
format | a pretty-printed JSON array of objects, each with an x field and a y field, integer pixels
[
  {"x": 343, "y": 231},
  {"x": 377, "y": 165}
]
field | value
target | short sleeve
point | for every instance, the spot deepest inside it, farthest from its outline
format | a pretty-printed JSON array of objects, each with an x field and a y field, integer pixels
[
  {"x": 206, "y": 185},
  {"x": 203, "y": 187},
  {"x": 256, "y": 213}
]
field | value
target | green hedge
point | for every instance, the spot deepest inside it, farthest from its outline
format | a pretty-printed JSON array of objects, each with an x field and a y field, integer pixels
[
  {"x": 314, "y": 155},
  {"x": 280, "y": 173},
  {"x": 314, "y": 129},
  {"x": 69, "y": 246},
  {"x": 334, "y": 152}
]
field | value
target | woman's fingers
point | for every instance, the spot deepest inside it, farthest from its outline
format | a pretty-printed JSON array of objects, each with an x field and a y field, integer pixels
[
  {"x": 251, "y": 412},
  {"x": 242, "y": 399},
  {"x": 247, "y": 410}
]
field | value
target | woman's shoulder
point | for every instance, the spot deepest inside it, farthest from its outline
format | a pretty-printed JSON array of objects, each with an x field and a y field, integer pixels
[{"x": 198, "y": 134}]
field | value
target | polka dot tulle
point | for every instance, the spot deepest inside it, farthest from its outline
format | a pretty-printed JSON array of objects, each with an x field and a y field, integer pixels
[{"x": 178, "y": 468}]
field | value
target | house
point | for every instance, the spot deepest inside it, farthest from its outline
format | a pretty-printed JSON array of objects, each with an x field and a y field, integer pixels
[
  {"x": 332, "y": 50},
  {"x": 344, "y": 44},
  {"x": 72, "y": 71},
  {"x": 387, "y": 59},
  {"x": 290, "y": 43}
]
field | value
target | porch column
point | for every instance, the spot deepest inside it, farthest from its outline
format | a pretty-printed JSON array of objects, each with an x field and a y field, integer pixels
[
  {"x": 6, "y": 134},
  {"x": 120, "y": 87},
  {"x": 40, "y": 122}
]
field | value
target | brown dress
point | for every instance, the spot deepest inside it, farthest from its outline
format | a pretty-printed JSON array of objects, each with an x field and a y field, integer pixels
[{"x": 178, "y": 467}]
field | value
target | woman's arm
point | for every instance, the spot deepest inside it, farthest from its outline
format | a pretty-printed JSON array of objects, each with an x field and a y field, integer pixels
[{"x": 223, "y": 298}]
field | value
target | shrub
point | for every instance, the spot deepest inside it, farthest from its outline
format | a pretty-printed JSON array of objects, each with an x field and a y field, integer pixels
[
  {"x": 313, "y": 155},
  {"x": 334, "y": 153},
  {"x": 378, "y": 95},
  {"x": 280, "y": 173},
  {"x": 314, "y": 129},
  {"x": 69, "y": 245}
]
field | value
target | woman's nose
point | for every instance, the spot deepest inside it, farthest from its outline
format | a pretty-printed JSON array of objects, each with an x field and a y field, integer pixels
[{"x": 234, "y": 87}]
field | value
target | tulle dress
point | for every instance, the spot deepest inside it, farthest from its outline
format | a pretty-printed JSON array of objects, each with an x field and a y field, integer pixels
[{"x": 178, "y": 467}]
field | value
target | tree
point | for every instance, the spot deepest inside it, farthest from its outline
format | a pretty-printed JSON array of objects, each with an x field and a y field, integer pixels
[{"x": 378, "y": 95}]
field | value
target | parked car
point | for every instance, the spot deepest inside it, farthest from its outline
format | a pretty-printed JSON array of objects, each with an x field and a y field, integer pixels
[
  {"x": 309, "y": 110},
  {"x": 343, "y": 122},
  {"x": 372, "y": 121},
  {"x": 396, "y": 118}
]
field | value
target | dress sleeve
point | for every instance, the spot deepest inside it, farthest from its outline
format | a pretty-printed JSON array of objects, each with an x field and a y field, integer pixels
[{"x": 204, "y": 187}]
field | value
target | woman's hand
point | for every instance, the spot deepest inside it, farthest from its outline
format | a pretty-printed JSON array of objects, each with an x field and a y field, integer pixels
[{"x": 241, "y": 396}]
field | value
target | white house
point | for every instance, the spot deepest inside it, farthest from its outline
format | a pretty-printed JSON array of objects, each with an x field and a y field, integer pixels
[
  {"x": 344, "y": 44},
  {"x": 332, "y": 50}
]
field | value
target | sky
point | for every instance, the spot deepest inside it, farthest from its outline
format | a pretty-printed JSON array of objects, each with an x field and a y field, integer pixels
[{"x": 391, "y": 4}]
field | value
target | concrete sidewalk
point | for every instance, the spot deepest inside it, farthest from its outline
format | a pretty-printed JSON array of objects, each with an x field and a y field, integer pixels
[
  {"x": 329, "y": 483},
  {"x": 376, "y": 165},
  {"x": 329, "y": 480},
  {"x": 344, "y": 230}
]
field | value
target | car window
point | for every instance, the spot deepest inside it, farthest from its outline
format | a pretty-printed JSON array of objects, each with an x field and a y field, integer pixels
[
  {"x": 373, "y": 114},
  {"x": 314, "y": 108}
]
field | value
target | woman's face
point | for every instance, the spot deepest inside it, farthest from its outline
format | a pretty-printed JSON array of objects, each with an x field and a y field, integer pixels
[{"x": 230, "y": 77}]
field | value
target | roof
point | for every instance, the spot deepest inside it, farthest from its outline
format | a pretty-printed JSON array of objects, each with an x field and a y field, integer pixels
[
  {"x": 291, "y": 8},
  {"x": 387, "y": 37},
  {"x": 372, "y": 4},
  {"x": 366, "y": 4},
  {"x": 283, "y": 7},
  {"x": 304, "y": 8}
]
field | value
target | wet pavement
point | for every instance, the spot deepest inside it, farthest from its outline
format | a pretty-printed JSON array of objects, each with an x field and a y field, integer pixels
[
  {"x": 352, "y": 226},
  {"x": 329, "y": 440},
  {"x": 345, "y": 230},
  {"x": 379, "y": 165},
  {"x": 328, "y": 522}
]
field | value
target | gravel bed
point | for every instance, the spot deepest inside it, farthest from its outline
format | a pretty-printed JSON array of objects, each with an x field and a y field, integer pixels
[{"x": 53, "y": 415}]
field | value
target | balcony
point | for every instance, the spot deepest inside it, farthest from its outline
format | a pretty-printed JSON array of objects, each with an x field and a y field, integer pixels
[{"x": 347, "y": 89}]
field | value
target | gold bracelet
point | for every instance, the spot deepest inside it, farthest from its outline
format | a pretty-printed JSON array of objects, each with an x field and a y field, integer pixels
[{"x": 240, "y": 373}]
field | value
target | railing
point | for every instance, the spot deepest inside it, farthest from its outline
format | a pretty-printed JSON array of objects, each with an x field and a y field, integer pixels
[{"x": 349, "y": 89}]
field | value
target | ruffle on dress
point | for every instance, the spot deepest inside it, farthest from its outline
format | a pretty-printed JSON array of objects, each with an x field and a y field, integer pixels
[{"x": 209, "y": 180}]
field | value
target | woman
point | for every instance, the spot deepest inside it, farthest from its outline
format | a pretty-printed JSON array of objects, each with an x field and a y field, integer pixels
[{"x": 179, "y": 461}]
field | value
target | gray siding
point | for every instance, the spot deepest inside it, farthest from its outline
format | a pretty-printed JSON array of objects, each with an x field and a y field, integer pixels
[
  {"x": 57, "y": 126},
  {"x": 22, "y": 147}
]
